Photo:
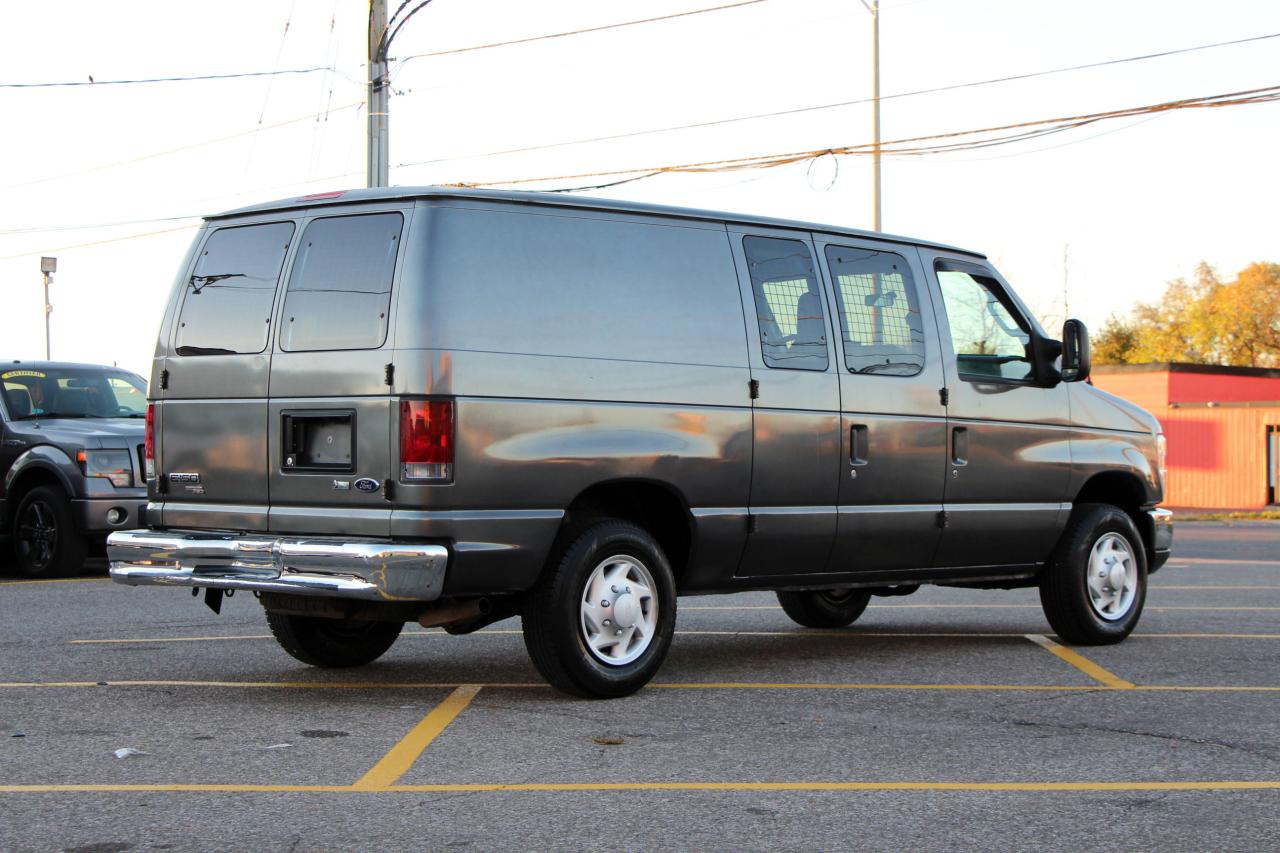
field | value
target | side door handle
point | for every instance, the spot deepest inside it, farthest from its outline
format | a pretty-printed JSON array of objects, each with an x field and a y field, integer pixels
[
  {"x": 959, "y": 446},
  {"x": 859, "y": 445}
]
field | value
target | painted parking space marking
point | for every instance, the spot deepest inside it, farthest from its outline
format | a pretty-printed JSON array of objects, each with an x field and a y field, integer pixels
[
  {"x": 1082, "y": 663},
  {"x": 4, "y": 583},
  {"x": 1084, "y": 787},
  {"x": 1158, "y": 608},
  {"x": 401, "y": 757}
]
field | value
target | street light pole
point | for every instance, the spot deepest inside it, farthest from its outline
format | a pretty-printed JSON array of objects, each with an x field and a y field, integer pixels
[
  {"x": 377, "y": 173},
  {"x": 48, "y": 266},
  {"x": 874, "y": 8}
]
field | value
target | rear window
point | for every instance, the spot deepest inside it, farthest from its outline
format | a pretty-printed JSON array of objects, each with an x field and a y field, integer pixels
[
  {"x": 227, "y": 305},
  {"x": 340, "y": 288}
]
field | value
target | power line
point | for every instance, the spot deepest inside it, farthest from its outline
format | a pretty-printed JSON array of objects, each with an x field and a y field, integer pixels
[
  {"x": 797, "y": 110},
  {"x": 179, "y": 149},
  {"x": 581, "y": 31},
  {"x": 946, "y": 142},
  {"x": 180, "y": 79}
]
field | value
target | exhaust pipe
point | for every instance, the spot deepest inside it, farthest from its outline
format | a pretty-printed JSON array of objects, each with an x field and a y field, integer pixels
[{"x": 457, "y": 611}]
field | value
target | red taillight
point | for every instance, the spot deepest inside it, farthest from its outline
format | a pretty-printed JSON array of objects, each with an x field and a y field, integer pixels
[
  {"x": 149, "y": 443},
  {"x": 426, "y": 439}
]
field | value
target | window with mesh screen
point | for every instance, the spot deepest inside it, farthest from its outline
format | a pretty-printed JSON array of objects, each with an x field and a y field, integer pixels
[
  {"x": 880, "y": 324},
  {"x": 793, "y": 327}
]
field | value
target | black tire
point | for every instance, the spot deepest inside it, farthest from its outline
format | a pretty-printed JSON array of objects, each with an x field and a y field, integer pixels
[
  {"x": 552, "y": 617},
  {"x": 1064, "y": 583},
  {"x": 46, "y": 542},
  {"x": 332, "y": 643},
  {"x": 825, "y": 608}
]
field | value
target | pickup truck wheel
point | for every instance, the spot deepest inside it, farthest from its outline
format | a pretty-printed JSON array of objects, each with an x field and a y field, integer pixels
[
  {"x": 46, "y": 542},
  {"x": 1095, "y": 584},
  {"x": 600, "y": 620},
  {"x": 332, "y": 643},
  {"x": 827, "y": 608}
]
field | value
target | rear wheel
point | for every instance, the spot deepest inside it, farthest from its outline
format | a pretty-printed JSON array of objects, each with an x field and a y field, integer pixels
[
  {"x": 46, "y": 542},
  {"x": 826, "y": 608},
  {"x": 600, "y": 620},
  {"x": 332, "y": 643},
  {"x": 1095, "y": 584}
]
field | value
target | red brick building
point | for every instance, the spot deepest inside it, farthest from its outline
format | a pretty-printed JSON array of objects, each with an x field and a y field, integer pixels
[{"x": 1222, "y": 425}]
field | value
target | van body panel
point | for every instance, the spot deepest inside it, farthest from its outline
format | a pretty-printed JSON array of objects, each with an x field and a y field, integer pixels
[
  {"x": 893, "y": 431},
  {"x": 796, "y": 421},
  {"x": 1009, "y": 458}
]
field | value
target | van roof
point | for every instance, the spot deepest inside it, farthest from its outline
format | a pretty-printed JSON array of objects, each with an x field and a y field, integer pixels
[{"x": 564, "y": 201}]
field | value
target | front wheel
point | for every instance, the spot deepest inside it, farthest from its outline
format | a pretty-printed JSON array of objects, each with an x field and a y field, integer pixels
[
  {"x": 46, "y": 541},
  {"x": 827, "y": 608},
  {"x": 332, "y": 643},
  {"x": 600, "y": 620},
  {"x": 1095, "y": 585}
]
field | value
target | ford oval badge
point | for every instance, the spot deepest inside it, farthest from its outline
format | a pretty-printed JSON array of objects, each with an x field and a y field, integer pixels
[{"x": 366, "y": 484}]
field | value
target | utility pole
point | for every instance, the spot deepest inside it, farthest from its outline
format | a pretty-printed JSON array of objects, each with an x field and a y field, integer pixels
[
  {"x": 377, "y": 174},
  {"x": 874, "y": 8},
  {"x": 48, "y": 266}
]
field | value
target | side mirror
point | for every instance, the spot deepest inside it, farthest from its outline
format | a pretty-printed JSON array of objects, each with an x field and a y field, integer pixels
[{"x": 1076, "y": 355}]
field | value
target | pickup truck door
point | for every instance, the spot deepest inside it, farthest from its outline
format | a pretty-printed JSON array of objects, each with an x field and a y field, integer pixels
[
  {"x": 796, "y": 415},
  {"x": 1009, "y": 451},
  {"x": 893, "y": 422}
]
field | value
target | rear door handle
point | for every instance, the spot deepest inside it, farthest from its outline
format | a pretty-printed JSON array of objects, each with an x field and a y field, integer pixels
[
  {"x": 858, "y": 444},
  {"x": 959, "y": 446}
]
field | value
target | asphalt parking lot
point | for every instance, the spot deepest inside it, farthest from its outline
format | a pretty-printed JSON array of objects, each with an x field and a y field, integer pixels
[{"x": 946, "y": 720}]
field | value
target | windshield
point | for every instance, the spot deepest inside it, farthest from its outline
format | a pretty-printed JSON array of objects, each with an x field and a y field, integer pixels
[{"x": 73, "y": 392}]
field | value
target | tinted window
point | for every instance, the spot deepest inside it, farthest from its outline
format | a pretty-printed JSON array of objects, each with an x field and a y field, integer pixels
[
  {"x": 227, "y": 306},
  {"x": 793, "y": 327},
  {"x": 879, "y": 313},
  {"x": 73, "y": 392},
  {"x": 989, "y": 340},
  {"x": 340, "y": 288}
]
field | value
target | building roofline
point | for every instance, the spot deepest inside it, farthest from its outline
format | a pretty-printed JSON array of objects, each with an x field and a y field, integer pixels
[
  {"x": 566, "y": 201},
  {"x": 1183, "y": 367}
]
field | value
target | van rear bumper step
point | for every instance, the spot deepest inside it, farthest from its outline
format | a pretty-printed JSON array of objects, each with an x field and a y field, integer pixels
[{"x": 363, "y": 569}]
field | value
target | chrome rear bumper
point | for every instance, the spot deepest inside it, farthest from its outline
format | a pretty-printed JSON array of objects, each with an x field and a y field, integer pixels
[{"x": 315, "y": 565}]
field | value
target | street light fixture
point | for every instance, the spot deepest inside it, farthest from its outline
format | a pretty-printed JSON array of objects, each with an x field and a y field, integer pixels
[{"x": 48, "y": 266}]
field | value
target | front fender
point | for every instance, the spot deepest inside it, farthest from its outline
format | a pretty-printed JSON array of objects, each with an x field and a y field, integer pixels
[{"x": 46, "y": 457}]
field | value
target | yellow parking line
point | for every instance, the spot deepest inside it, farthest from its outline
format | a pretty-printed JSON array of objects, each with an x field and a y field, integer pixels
[
  {"x": 1085, "y": 787},
  {"x": 1081, "y": 663},
  {"x": 1197, "y": 561},
  {"x": 984, "y": 607},
  {"x": 397, "y": 762}
]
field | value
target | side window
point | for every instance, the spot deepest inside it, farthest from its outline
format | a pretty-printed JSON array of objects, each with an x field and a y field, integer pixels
[
  {"x": 340, "y": 289},
  {"x": 880, "y": 320},
  {"x": 793, "y": 327},
  {"x": 227, "y": 306},
  {"x": 989, "y": 340}
]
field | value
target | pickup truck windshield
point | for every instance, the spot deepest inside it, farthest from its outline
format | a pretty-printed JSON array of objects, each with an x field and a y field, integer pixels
[{"x": 73, "y": 392}]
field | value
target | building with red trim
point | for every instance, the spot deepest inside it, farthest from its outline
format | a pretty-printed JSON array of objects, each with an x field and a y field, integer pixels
[{"x": 1222, "y": 425}]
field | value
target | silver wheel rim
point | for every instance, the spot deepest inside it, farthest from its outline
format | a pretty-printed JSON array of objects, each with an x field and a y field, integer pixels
[
  {"x": 1113, "y": 577},
  {"x": 619, "y": 612}
]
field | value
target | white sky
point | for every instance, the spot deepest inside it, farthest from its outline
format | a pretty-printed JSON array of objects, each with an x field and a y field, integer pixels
[{"x": 1138, "y": 201}]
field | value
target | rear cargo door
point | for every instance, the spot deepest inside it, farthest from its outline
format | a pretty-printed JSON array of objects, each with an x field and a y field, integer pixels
[
  {"x": 332, "y": 436},
  {"x": 212, "y": 414}
]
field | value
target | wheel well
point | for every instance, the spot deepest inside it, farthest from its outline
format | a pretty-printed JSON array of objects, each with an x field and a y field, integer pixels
[
  {"x": 1123, "y": 491},
  {"x": 658, "y": 509},
  {"x": 26, "y": 481}
]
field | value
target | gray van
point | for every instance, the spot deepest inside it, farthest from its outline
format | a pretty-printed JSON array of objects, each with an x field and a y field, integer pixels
[{"x": 451, "y": 406}]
